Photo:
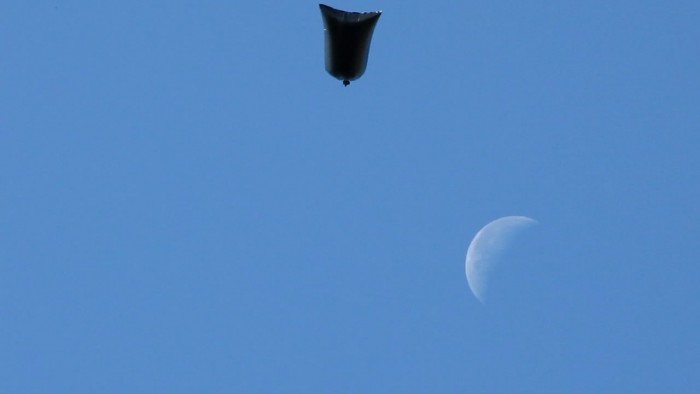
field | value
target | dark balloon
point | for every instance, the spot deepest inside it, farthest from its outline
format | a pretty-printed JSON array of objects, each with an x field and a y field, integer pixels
[{"x": 348, "y": 35}]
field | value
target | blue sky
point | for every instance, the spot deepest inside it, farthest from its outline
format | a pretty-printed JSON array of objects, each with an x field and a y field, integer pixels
[{"x": 190, "y": 203}]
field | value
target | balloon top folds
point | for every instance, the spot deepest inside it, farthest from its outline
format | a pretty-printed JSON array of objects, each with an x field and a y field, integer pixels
[{"x": 348, "y": 36}]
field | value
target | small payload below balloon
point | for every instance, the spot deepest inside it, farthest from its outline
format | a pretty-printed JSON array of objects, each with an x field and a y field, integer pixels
[{"x": 348, "y": 36}]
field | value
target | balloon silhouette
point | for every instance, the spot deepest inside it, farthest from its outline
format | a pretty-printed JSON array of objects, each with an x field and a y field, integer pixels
[{"x": 348, "y": 36}]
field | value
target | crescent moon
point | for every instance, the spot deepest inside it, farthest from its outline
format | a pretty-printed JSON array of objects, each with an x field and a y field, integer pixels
[{"x": 487, "y": 247}]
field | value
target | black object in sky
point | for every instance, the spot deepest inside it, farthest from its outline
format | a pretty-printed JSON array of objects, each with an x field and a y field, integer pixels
[{"x": 348, "y": 35}]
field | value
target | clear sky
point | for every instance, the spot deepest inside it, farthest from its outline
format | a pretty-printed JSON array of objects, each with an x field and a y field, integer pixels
[{"x": 189, "y": 203}]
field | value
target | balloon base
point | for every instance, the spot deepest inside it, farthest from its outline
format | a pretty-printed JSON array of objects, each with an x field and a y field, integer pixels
[{"x": 346, "y": 82}]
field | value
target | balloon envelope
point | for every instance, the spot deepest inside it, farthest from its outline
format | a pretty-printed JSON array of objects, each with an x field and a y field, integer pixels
[{"x": 348, "y": 36}]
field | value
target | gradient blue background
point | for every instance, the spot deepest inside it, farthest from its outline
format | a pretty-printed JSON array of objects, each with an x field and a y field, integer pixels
[{"x": 189, "y": 203}]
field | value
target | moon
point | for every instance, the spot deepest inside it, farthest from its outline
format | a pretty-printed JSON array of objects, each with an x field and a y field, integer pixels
[{"x": 487, "y": 247}]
